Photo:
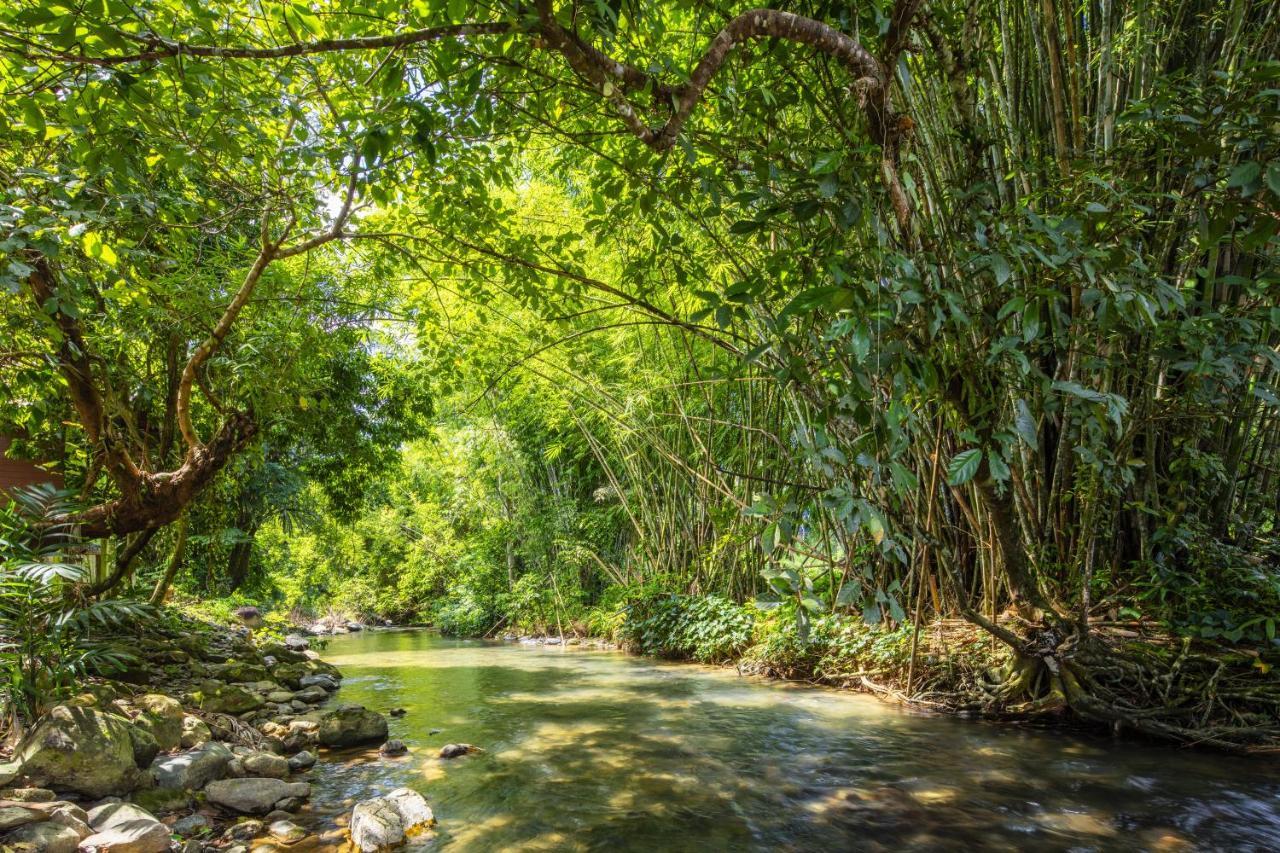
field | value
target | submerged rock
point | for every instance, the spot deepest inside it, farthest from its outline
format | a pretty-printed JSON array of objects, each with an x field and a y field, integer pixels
[
  {"x": 83, "y": 750},
  {"x": 455, "y": 750},
  {"x": 348, "y": 725},
  {"x": 286, "y": 831},
  {"x": 393, "y": 748}
]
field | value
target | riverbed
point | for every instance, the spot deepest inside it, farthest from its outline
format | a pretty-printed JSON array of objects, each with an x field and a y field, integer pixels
[{"x": 597, "y": 750}]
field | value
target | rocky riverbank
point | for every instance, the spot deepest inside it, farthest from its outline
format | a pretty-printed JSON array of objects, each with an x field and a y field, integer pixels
[{"x": 205, "y": 743}]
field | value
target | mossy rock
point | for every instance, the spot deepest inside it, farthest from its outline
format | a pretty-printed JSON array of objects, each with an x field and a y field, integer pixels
[
  {"x": 242, "y": 671},
  {"x": 162, "y": 717},
  {"x": 160, "y": 801},
  {"x": 224, "y": 698},
  {"x": 145, "y": 745},
  {"x": 85, "y": 750}
]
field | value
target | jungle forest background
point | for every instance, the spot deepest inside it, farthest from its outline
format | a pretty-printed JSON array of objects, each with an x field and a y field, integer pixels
[{"x": 847, "y": 320}]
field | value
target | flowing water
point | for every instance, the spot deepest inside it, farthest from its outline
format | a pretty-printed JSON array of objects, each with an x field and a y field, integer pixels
[{"x": 596, "y": 750}]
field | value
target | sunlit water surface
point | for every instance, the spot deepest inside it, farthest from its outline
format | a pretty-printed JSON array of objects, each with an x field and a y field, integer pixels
[{"x": 596, "y": 750}]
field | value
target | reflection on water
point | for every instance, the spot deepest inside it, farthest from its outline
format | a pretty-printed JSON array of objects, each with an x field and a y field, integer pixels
[{"x": 591, "y": 750}]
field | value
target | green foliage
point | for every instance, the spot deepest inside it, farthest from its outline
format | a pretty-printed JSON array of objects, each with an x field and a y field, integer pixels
[
  {"x": 731, "y": 367},
  {"x": 707, "y": 628},
  {"x": 50, "y": 637},
  {"x": 835, "y": 648}
]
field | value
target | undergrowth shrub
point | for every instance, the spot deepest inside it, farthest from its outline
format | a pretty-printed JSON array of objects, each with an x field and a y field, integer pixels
[
  {"x": 708, "y": 628},
  {"x": 837, "y": 647}
]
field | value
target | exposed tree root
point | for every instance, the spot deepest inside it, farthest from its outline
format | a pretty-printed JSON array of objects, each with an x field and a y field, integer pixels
[{"x": 1164, "y": 688}]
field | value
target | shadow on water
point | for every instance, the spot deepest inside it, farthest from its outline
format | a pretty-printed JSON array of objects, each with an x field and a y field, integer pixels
[{"x": 588, "y": 750}]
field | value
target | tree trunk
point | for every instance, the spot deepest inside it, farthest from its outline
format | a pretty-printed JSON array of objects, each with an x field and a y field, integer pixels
[{"x": 175, "y": 562}]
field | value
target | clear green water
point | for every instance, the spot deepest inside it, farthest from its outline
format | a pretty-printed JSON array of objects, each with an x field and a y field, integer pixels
[{"x": 594, "y": 750}]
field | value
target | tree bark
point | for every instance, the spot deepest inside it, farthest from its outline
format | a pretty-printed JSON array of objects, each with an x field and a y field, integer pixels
[{"x": 175, "y": 563}]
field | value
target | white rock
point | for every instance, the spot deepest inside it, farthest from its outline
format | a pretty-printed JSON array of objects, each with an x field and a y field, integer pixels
[
  {"x": 412, "y": 808},
  {"x": 376, "y": 826}
]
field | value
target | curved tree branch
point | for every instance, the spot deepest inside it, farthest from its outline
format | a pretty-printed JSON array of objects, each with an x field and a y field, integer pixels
[{"x": 163, "y": 48}]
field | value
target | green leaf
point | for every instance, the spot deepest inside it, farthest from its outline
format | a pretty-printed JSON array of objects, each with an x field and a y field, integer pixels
[
  {"x": 1024, "y": 424},
  {"x": 812, "y": 604},
  {"x": 826, "y": 163},
  {"x": 1075, "y": 389},
  {"x": 1273, "y": 177},
  {"x": 999, "y": 470},
  {"x": 1244, "y": 175},
  {"x": 33, "y": 118},
  {"x": 963, "y": 466},
  {"x": 999, "y": 268}
]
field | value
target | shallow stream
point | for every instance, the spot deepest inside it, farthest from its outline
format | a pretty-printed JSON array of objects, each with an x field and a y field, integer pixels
[{"x": 597, "y": 750}]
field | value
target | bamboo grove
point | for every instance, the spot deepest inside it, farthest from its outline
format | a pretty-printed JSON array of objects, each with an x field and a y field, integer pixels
[{"x": 911, "y": 311}]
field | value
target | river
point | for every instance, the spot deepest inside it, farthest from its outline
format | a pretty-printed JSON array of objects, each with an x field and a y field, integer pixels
[{"x": 598, "y": 750}]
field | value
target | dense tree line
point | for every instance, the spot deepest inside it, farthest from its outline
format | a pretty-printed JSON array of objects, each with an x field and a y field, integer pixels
[{"x": 911, "y": 310}]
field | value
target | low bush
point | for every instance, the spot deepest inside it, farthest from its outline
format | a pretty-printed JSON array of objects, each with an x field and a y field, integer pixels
[{"x": 707, "y": 628}]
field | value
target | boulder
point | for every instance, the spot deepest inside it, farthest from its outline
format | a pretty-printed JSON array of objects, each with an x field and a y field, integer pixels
[
  {"x": 161, "y": 716},
  {"x": 274, "y": 653},
  {"x": 84, "y": 750},
  {"x": 241, "y": 671},
  {"x": 413, "y": 809},
  {"x": 194, "y": 732},
  {"x": 383, "y": 822},
  {"x": 12, "y": 817},
  {"x": 291, "y": 673},
  {"x": 145, "y": 746},
  {"x": 296, "y": 642},
  {"x": 302, "y": 761},
  {"x": 126, "y": 828},
  {"x": 280, "y": 696},
  {"x": 194, "y": 824},
  {"x": 320, "y": 679},
  {"x": 375, "y": 826},
  {"x": 226, "y": 698},
  {"x": 311, "y": 695},
  {"x": 192, "y": 770},
  {"x": 253, "y": 795},
  {"x": 266, "y": 765},
  {"x": 46, "y": 837},
  {"x": 348, "y": 725},
  {"x": 73, "y": 818}
]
